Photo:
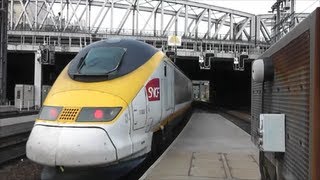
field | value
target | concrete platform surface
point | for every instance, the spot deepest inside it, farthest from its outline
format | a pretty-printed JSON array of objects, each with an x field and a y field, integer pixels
[
  {"x": 209, "y": 147},
  {"x": 16, "y": 125},
  {"x": 17, "y": 120}
]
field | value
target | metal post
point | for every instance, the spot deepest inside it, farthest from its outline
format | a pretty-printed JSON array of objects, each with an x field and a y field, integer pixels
[
  {"x": 3, "y": 50},
  {"x": 11, "y": 15},
  {"x": 209, "y": 24},
  {"x": 36, "y": 16},
  {"x": 89, "y": 23},
  {"x": 111, "y": 17},
  {"x": 252, "y": 29},
  {"x": 175, "y": 34},
  {"x": 133, "y": 18},
  {"x": 231, "y": 27},
  {"x": 185, "y": 20},
  {"x": 278, "y": 17},
  {"x": 137, "y": 17},
  {"x": 161, "y": 24},
  {"x": 293, "y": 10},
  {"x": 155, "y": 22},
  {"x": 61, "y": 14},
  {"x": 37, "y": 80},
  {"x": 67, "y": 20},
  {"x": 87, "y": 15}
]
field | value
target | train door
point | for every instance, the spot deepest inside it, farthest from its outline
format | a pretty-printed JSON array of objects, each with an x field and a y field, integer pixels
[
  {"x": 139, "y": 113},
  {"x": 167, "y": 89},
  {"x": 154, "y": 98}
]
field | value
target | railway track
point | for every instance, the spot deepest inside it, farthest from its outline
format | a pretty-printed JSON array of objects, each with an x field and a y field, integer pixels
[
  {"x": 13, "y": 138},
  {"x": 13, "y": 147},
  {"x": 242, "y": 120}
]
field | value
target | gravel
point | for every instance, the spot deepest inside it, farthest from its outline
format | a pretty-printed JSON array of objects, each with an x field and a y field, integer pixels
[{"x": 22, "y": 169}]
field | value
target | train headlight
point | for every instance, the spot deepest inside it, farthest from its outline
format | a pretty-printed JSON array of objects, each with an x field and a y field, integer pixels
[
  {"x": 50, "y": 113},
  {"x": 96, "y": 114}
]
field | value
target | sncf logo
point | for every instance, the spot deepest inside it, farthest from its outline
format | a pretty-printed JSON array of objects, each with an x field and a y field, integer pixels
[{"x": 153, "y": 89}]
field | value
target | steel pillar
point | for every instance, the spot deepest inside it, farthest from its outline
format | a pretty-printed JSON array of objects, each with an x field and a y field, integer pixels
[
  {"x": 37, "y": 81},
  {"x": 3, "y": 49}
]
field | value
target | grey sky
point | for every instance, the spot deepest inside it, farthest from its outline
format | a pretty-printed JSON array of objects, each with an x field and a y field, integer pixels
[{"x": 261, "y": 6}]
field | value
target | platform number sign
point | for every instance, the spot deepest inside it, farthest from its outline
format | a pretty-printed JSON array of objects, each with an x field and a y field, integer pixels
[{"x": 153, "y": 89}]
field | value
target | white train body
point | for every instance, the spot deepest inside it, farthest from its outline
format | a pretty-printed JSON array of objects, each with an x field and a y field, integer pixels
[{"x": 164, "y": 95}]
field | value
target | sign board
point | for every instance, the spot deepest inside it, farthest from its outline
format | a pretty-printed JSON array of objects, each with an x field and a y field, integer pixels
[
  {"x": 153, "y": 89},
  {"x": 174, "y": 40}
]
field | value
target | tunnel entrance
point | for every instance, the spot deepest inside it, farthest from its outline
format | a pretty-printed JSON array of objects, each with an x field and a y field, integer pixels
[
  {"x": 229, "y": 89},
  {"x": 21, "y": 70}
]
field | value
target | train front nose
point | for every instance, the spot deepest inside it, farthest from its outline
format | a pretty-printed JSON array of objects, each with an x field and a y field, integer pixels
[
  {"x": 69, "y": 129},
  {"x": 70, "y": 146}
]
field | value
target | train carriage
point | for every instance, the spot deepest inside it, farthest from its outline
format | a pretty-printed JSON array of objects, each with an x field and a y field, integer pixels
[{"x": 107, "y": 104}]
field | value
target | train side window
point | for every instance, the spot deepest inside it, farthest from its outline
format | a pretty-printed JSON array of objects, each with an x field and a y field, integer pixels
[{"x": 165, "y": 70}]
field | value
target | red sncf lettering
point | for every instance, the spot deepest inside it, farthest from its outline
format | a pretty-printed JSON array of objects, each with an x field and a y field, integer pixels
[{"x": 153, "y": 89}]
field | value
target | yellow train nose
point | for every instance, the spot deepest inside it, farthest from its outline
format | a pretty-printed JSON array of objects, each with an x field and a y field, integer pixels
[
  {"x": 84, "y": 98},
  {"x": 82, "y": 106}
]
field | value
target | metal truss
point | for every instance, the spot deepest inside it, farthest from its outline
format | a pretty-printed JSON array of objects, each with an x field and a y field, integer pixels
[
  {"x": 3, "y": 49},
  {"x": 139, "y": 18},
  {"x": 72, "y": 24}
]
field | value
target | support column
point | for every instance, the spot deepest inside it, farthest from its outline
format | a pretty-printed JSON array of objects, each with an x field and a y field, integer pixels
[
  {"x": 293, "y": 10},
  {"x": 258, "y": 19},
  {"x": 155, "y": 22},
  {"x": 11, "y": 15},
  {"x": 161, "y": 23},
  {"x": 186, "y": 33},
  {"x": 37, "y": 81},
  {"x": 231, "y": 27},
  {"x": 36, "y": 16},
  {"x": 209, "y": 24},
  {"x": 133, "y": 19},
  {"x": 3, "y": 50},
  {"x": 253, "y": 28},
  {"x": 87, "y": 16},
  {"x": 111, "y": 17},
  {"x": 137, "y": 17}
]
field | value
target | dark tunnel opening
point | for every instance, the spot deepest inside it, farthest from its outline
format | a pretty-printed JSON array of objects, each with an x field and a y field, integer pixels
[
  {"x": 229, "y": 89},
  {"x": 21, "y": 70}
]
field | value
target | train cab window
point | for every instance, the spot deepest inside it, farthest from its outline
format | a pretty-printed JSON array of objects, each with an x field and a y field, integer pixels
[
  {"x": 101, "y": 60},
  {"x": 108, "y": 59}
]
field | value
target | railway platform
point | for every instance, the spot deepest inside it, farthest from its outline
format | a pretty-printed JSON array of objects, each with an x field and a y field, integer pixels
[
  {"x": 15, "y": 125},
  {"x": 14, "y": 133},
  {"x": 209, "y": 147}
]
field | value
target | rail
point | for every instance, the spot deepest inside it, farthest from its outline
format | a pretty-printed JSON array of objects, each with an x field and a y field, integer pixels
[{"x": 13, "y": 147}]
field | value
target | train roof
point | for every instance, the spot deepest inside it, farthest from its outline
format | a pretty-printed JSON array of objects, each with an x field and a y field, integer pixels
[{"x": 109, "y": 59}]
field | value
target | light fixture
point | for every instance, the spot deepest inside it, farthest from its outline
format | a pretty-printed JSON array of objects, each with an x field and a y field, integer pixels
[{"x": 236, "y": 61}]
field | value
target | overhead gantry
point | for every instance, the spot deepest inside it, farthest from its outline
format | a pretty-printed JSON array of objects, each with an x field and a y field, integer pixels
[{"x": 143, "y": 18}]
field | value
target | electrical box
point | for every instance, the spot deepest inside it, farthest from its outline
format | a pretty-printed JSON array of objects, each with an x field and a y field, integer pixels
[
  {"x": 24, "y": 96},
  {"x": 272, "y": 132}
]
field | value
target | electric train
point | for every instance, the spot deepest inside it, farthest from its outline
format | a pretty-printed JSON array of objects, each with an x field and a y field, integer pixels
[{"x": 107, "y": 106}]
